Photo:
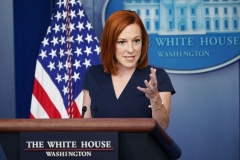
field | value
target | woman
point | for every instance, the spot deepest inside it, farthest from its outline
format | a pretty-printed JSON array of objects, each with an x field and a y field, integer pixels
[{"x": 124, "y": 85}]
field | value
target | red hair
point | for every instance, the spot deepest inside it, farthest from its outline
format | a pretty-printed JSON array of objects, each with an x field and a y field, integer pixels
[{"x": 115, "y": 24}]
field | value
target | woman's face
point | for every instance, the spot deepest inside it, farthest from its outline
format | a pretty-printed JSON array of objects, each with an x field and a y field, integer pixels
[{"x": 128, "y": 47}]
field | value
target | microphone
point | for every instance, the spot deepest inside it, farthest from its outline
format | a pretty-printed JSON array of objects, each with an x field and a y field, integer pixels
[
  {"x": 94, "y": 111},
  {"x": 84, "y": 109}
]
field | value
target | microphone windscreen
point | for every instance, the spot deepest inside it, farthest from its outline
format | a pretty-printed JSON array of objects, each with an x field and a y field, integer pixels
[
  {"x": 84, "y": 108},
  {"x": 95, "y": 108}
]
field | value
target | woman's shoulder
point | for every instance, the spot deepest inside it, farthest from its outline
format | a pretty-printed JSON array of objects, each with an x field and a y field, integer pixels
[
  {"x": 96, "y": 71},
  {"x": 96, "y": 68}
]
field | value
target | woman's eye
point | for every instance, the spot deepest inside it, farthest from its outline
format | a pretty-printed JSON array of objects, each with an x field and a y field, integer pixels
[
  {"x": 121, "y": 42},
  {"x": 137, "y": 40}
]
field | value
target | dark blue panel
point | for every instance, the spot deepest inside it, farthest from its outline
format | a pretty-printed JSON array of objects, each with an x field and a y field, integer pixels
[{"x": 31, "y": 19}]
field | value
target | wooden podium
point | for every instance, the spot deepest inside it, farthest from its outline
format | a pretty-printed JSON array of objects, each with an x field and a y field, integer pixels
[{"x": 138, "y": 138}]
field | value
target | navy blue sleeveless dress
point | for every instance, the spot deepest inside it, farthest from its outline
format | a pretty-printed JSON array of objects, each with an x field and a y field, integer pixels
[{"x": 132, "y": 103}]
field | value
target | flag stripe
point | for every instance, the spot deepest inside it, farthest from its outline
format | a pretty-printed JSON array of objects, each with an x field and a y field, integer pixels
[
  {"x": 49, "y": 91},
  {"x": 76, "y": 112},
  {"x": 31, "y": 116},
  {"x": 79, "y": 101},
  {"x": 45, "y": 101},
  {"x": 37, "y": 111}
]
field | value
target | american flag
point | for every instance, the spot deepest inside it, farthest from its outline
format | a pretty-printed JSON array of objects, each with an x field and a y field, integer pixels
[{"x": 69, "y": 48}]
